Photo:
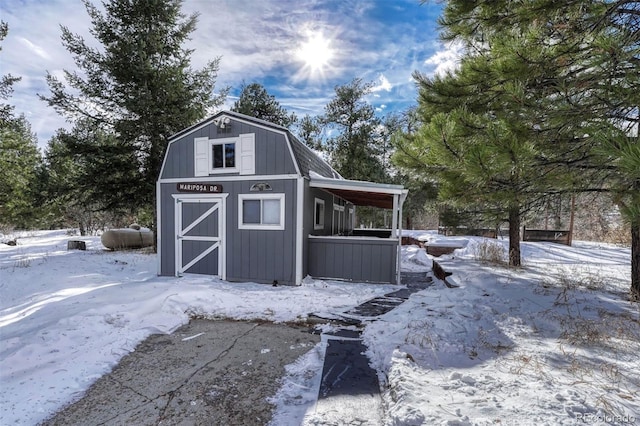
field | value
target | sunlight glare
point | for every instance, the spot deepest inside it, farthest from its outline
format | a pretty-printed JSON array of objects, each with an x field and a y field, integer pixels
[{"x": 315, "y": 52}]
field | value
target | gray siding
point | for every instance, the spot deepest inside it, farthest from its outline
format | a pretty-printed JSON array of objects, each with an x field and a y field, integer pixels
[
  {"x": 355, "y": 259},
  {"x": 167, "y": 234},
  {"x": 272, "y": 152},
  {"x": 310, "y": 194},
  {"x": 266, "y": 255},
  {"x": 261, "y": 255},
  {"x": 252, "y": 255},
  {"x": 314, "y": 193}
]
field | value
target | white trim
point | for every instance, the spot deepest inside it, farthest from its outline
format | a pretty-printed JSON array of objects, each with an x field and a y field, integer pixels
[
  {"x": 321, "y": 202},
  {"x": 402, "y": 197},
  {"x": 231, "y": 116},
  {"x": 291, "y": 154},
  {"x": 352, "y": 238},
  {"x": 196, "y": 238},
  {"x": 299, "y": 229},
  {"x": 227, "y": 178},
  {"x": 219, "y": 242},
  {"x": 394, "y": 227},
  {"x": 205, "y": 198},
  {"x": 261, "y": 197},
  {"x": 234, "y": 118},
  {"x": 337, "y": 224},
  {"x": 246, "y": 154},
  {"x": 236, "y": 159},
  {"x": 352, "y": 217},
  {"x": 394, "y": 219},
  {"x": 355, "y": 185},
  {"x": 158, "y": 227},
  {"x": 201, "y": 157}
]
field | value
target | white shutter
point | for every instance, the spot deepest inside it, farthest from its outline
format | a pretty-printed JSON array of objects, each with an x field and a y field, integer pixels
[
  {"x": 201, "y": 157},
  {"x": 247, "y": 154}
]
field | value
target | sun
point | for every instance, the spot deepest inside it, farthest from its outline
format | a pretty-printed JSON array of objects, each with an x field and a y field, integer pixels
[{"x": 316, "y": 53}]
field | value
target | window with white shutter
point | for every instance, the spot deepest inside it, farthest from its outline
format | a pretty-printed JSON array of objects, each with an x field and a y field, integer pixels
[
  {"x": 201, "y": 161},
  {"x": 225, "y": 155},
  {"x": 247, "y": 154}
]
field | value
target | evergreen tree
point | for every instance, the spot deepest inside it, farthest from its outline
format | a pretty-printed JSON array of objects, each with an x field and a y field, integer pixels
[
  {"x": 6, "y": 82},
  {"x": 611, "y": 84},
  {"x": 75, "y": 160},
  {"x": 479, "y": 137},
  {"x": 566, "y": 70},
  {"x": 422, "y": 187},
  {"x": 309, "y": 131},
  {"x": 256, "y": 102},
  {"x": 19, "y": 162},
  {"x": 140, "y": 85},
  {"x": 19, "y": 159},
  {"x": 353, "y": 120}
]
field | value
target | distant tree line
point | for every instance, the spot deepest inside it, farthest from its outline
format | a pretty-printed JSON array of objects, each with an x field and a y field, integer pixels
[
  {"x": 126, "y": 98},
  {"x": 543, "y": 106}
]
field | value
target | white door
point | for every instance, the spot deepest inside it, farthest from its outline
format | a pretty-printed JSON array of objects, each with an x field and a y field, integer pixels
[{"x": 200, "y": 232}]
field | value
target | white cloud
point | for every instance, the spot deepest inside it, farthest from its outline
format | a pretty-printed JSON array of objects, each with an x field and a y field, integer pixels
[
  {"x": 35, "y": 48},
  {"x": 446, "y": 59},
  {"x": 383, "y": 84},
  {"x": 256, "y": 41}
]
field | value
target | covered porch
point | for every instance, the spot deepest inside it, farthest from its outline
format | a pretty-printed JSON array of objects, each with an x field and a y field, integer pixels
[{"x": 366, "y": 255}]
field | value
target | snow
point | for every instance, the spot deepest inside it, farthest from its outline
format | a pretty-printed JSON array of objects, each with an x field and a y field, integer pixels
[{"x": 553, "y": 342}]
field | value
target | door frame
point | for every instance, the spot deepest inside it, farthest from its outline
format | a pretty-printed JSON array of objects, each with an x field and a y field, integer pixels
[{"x": 221, "y": 200}]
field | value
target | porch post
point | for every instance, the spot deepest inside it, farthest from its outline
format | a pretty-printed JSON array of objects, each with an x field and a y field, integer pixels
[
  {"x": 394, "y": 221},
  {"x": 396, "y": 231},
  {"x": 299, "y": 229}
]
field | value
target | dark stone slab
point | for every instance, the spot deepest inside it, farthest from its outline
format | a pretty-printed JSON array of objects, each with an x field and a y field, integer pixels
[
  {"x": 346, "y": 370},
  {"x": 349, "y": 334},
  {"x": 420, "y": 280}
]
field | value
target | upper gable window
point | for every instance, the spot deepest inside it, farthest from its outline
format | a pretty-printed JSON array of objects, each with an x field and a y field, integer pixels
[{"x": 225, "y": 155}]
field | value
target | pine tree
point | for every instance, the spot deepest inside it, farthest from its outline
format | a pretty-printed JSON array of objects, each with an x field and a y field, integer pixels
[
  {"x": 566, "y": 70},
  {"x": 309, "y": 130},
  {"x": 256, "y": 102},
  {"x": 75, "y": 159},
  {"x": 612, "y": 87},
  {"x": 354, "y": 121},
  {"x": 479, "y": 137},
  {"x": 19, "y": 159},
  {"x": 19, "y": 162},
  {"x": 6, "y": 82},
  {"x": 140, "y": 85}
]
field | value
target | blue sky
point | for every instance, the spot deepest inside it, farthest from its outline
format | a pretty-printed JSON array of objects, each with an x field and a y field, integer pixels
[{"x": 298, "y": 49}]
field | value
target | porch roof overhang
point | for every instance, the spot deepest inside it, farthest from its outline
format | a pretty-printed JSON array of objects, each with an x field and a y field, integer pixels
[{"x": 361, "y": 193}]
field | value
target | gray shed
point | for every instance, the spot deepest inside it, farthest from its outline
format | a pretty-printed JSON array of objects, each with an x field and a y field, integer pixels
[{"x": 242, "y": 199}]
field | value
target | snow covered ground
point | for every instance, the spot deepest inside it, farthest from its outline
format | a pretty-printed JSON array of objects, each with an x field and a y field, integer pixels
[{"x": 554, "y": 342}]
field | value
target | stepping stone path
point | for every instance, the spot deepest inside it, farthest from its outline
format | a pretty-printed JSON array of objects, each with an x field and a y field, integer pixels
[{"x": 349, "y": 391}]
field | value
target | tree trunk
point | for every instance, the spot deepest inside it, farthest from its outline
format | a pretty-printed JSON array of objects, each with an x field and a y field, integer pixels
[
  {"x": 514, "y": 236},
  {"x": 635, "y": 261}
]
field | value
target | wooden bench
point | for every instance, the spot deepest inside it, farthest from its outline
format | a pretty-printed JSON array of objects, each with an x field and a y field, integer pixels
[{"x": 547, "y": 235}]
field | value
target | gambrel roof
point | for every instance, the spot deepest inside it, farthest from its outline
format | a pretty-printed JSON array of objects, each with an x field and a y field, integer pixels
[
  {"x": 306, "y": 159},
  {"x": 313, "y": 167}
]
